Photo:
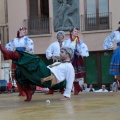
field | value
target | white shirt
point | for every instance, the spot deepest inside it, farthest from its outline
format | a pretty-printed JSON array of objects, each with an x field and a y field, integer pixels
[
  {"x": 86, "y": 90},
  {"x": 81, "y": 47},
  {"x": 21, "y": 42},
  {"x": 64, "y": 71},
  {"x": 108, "y": 42},
  {"x": 100, "y": 90},
  {"x": 53, "y": 50},
  {"x": 91, "y": 89}
]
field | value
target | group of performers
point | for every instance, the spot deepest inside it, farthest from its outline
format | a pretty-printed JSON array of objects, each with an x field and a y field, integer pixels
[
  {"x": 80, "y": 50},
  {"x": 68, "y": 65},
  {"x": 31, "y": 70},
  {"x": 20, "y": 51}
]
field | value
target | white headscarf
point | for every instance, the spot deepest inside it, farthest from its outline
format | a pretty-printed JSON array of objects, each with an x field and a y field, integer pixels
[{"x": 60, "y": 32}]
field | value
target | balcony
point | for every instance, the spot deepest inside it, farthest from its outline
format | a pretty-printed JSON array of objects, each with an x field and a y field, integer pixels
[
  {"x": 91, "y": 22},
  {"x": 37, "y": 26}
]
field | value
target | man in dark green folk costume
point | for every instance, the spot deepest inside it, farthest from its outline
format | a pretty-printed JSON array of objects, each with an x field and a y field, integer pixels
[{"x": 31, "y": 70}]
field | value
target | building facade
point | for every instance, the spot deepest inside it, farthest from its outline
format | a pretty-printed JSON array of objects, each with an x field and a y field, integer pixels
[{"x": 95, "y": 18}]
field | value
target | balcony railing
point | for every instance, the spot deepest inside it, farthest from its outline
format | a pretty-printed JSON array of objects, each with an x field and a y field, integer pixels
[
  {"x": 38, "y": 26},
  {"x": 101, "y": 21}
]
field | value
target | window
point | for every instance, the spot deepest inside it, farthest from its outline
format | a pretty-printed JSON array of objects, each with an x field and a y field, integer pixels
[
  {"x": 97, "y": 16},
  {"x": 38, "y": 8},
  {"x": 33, "y": 9},
  {"x": 38, "y": 17}
]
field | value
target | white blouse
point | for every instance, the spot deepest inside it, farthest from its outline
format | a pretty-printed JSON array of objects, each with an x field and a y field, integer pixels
[
  {"x": 81, "y": 47},
  {"x": 108, "y": 42},
  {"x": 24, "y": 42}
]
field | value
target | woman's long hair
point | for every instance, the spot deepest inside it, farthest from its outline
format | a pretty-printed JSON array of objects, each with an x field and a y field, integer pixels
[
  {"x": 18, "y": 32},
  {"x": 71, "y": 30}
]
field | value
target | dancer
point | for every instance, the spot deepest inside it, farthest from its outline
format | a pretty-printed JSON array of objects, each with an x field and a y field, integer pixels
[
  {"x": 115, "y": 61},
  {"x": 31, "y": 70},
  {"x": 53, "y": 52},
  {"x": 21, "y": 42},
  {"x": 80, "y": 50}
]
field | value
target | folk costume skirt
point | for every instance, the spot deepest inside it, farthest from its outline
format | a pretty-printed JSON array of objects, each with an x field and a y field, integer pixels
[
  {"x": 79, "y": 67},
  {"x": 115, "y": 63}
]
